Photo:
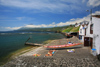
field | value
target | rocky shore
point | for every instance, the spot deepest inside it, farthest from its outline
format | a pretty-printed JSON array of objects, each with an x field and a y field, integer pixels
[{"x": 61, "y": 58}]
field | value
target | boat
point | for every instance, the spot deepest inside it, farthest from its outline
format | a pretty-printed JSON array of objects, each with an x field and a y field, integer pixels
[{"x": 63, "y": 46}]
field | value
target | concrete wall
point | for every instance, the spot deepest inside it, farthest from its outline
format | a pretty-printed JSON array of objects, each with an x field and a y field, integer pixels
[{"x": 96, "y": 34}]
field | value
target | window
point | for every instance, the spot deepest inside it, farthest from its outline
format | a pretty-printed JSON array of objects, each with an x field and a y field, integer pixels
[
  {"x": 91, "y": 29},
  {"x": 80, "y": 30},
  {"x": 80, "y": 37}
]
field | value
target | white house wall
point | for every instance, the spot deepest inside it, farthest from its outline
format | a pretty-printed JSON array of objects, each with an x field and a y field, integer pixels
[
  {"x": 82, "y": 38},
  {"x": 96, "y": 33},
  {"x": 88, "y": 31},
  {"x": 77, "y": 25},
  {"x": 82, "y": 31}
]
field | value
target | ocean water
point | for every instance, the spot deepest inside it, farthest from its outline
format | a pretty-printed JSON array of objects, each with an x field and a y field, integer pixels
[{"x": 10, "y": 42}]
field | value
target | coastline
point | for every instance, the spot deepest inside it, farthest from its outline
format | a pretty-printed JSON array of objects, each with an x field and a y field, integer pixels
[
  {"x": 61, "y": 58},
  {"x": 15, "y": 44},
  {"x": 19, "y": 52},
  {"x": 12, "y": 55},
  {"x": 30, "y": 50}
]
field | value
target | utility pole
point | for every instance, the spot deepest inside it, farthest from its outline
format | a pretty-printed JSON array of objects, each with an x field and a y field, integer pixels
[
  {"x": 91, "y": 15},
  {"x": 90, "y": 20}
]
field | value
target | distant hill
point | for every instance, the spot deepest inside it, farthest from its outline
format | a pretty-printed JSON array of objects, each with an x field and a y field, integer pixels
[
  {"x": 43, "y": 29},
  {"x": 70, "y": 28}
]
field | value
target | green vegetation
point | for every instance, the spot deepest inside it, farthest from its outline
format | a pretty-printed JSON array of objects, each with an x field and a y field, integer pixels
[
  {"x": 42, "y": 29},
  {"x": 75, "y": 29},
  {"x": 71, "y": 29},
  {"x": 68, "y": 29}
]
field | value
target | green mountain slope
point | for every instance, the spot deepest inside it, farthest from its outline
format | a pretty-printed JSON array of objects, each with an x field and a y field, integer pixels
[
  {"x": 71, "y": 29},
  {"x": 75, "y": 29},
  {"x": 68, "y": 29}
]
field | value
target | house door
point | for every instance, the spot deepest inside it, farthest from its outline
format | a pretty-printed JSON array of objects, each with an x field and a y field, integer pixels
[
  {"x": 88, "y": 41},
  {"x": 85, "y": 31},
  {"x": 91, "y": 42}
]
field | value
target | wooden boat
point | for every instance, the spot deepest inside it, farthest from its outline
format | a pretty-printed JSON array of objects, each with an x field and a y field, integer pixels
[{"x": 63, "y": 46}]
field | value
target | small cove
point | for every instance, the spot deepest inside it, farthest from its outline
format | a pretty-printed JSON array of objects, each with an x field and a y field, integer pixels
[{"x": 12, "y": 42}]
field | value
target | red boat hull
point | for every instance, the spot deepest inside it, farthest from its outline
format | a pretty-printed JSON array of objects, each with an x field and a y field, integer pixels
[{"x": 63, "y": 46}]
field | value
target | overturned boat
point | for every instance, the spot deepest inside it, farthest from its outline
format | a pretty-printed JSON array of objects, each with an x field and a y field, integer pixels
[{"x": 64, "y": 46}]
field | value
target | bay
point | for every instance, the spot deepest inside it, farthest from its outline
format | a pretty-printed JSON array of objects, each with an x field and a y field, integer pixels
[{"x": 10, "y": 42}]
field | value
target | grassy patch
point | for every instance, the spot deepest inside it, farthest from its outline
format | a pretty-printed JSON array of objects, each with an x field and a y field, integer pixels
[
  {"x": 75, "y": 29},
  {"x": 68, "y": 29}
]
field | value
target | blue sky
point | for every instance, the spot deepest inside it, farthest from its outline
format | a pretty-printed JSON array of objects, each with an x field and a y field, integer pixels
[{"x": 16, "y": 14}]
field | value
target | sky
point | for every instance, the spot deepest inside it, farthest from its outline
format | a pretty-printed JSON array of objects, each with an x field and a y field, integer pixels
[{"x": 16, "y": 14}]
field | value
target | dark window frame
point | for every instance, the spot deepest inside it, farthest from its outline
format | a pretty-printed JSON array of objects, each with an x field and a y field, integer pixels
[{"x": 91, "y": 29}]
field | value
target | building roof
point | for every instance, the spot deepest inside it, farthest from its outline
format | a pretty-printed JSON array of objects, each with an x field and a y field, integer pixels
[{"x": 98, "y": 16}]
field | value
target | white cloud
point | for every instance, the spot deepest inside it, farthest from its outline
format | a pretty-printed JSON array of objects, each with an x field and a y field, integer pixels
[
  {"x": 72, "y": 19},
  {"x": 41, "y": 26},
  {"x": 20, "y": 18},
  {"x": 33, "y": 26},
  {"x": 44, "y": 5},
  {"x": 93, "y": 3},
  {"x": 78, "y": 20},
  {"x": 96, "y": 13},
  {"x": 12, "y": 28},
  {"x": 24, "y": 18},
  {"x": 83, "y": 1},
  {"x": 9, "y": 28},
  {"x": 53, "y": 24}
]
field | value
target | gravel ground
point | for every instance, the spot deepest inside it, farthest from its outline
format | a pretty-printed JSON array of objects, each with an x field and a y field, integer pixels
[{"x": 61, "y": 58}]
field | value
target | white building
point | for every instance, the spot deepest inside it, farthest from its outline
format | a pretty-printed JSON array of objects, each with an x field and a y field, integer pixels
[
  {"x": 82, "y": 31},
  {"x": 89, "y": 30},
  {"x": 77, "y": 24},
  {"x": 96, "y": 33},
  {"x": 88, "y": 39},
  {"x": 92, "y": 37}
]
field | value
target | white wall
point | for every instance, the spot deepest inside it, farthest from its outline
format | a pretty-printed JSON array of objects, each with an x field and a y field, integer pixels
[
  {"x": 96, "y": 33},
  {"x": 77, "y": 25},
  {"x": 88, "y": 31},
  {"x": 82, "y": 38},
  {"x": 82, "y": 30}
]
